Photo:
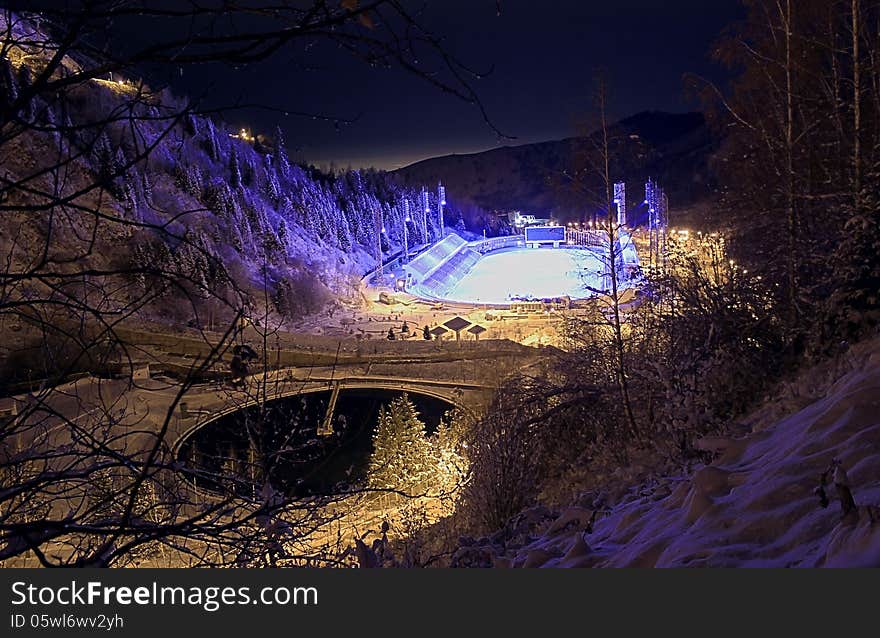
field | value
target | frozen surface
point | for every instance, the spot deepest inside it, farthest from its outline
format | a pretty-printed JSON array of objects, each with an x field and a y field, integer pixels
[{"x": 530, "y": 272}]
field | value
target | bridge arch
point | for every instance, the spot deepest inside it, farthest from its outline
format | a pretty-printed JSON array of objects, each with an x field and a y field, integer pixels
[{"x": 470, "y": 398}]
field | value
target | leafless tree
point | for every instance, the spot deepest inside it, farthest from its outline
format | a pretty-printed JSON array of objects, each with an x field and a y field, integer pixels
[
  {"x": 595, "y": 181},
  {"x": 799, "y": 155},
  {"x": 89, "y": 469}
]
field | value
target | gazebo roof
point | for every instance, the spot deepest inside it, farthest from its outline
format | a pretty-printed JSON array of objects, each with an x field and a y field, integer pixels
[
  {"x": 439, "y": 330},
  {"x": 457, "y": 323},
  {"x": 476, "y": 329}
]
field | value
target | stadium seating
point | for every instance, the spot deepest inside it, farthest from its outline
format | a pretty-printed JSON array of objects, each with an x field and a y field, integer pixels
[
  {"x": 443, "y": 279},
  {"x": 426, "y": 263}
]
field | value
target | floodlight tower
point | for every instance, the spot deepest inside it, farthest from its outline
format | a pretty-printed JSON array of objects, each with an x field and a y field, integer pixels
[
  {"x": 406, "y": 220},
  {"x": 664, "y": 224},
  {"x": 620, "y": 200},
  {"x": 426, "y": 208},
  {"x": 658, "y": 220},
  {"x": 652, "y": 199},
  {"x": 656, "y": 200},
  {"x": 441, "y": 202}
]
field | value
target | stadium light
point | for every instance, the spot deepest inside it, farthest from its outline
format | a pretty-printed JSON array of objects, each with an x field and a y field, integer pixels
[
  {"x": 620, "y": 201},
  {"x": 441, "y": 202},
  {"x": 425, "y": 210}
]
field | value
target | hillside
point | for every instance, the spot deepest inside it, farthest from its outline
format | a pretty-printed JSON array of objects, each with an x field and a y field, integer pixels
[
  {"x": 121, "y": 203},
  {"x": 133, "y": 179},
  {"x": 672, "y": 148},
  {"x": 755, "y": 504}
]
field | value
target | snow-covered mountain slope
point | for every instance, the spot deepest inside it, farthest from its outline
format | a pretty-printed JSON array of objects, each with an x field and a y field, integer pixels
[
  {"x": 756, "y": 504},
  {"x": 155, "y": 185}
]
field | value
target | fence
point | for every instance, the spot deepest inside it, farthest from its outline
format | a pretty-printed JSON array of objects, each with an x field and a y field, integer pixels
[{"x": 484, "y": 246}]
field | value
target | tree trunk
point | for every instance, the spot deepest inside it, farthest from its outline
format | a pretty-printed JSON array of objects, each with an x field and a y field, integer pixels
[
  {"x": 857, "y": 108},
  {"x": 791, "y": 213},
  {"x": 611, "y": 229}
]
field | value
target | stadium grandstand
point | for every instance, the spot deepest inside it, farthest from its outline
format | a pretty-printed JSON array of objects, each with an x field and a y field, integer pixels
[{"x": 436, "y": 271}]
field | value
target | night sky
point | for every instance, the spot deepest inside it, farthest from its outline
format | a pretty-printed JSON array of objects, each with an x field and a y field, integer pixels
[{"x": 543, "y": 56}]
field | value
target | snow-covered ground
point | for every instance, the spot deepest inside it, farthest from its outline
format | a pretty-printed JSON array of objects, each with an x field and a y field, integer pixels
[
  {"x": 535, "y": 272},
  {"x": 755, "y": 505}
]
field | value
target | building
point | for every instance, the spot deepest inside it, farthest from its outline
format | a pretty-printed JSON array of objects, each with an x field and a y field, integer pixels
[{"x": 519, "y": 220}]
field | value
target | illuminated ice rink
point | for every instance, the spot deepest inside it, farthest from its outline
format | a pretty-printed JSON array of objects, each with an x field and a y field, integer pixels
[{"x": 529, "y": 272}]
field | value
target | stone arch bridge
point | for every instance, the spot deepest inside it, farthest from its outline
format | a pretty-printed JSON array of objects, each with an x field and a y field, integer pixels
[{"x": 205, "y": 406}]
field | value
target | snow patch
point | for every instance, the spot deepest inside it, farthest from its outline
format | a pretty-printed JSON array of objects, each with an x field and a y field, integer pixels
[{"x": 757, "y": 504}]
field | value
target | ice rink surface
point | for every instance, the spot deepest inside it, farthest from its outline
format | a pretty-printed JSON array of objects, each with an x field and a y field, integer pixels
[{"x": 529, "y": 272}]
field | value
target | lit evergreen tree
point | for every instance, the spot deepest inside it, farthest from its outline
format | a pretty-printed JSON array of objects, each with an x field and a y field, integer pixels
[
  {"x": 104, "y": 159},
  {"x": 273, "y": 188},
  {"x": 459, "y": 225},
  {"x": 234, "y": 169},
  {"x": 248, "y": 170},
  {"x": 449, "y": 448},
  {"x": 282, "y": 164},
  {"x": 401, "y": 453},
  {"x": 211, "y": 140},
  {"x": 282, "y": 232}
]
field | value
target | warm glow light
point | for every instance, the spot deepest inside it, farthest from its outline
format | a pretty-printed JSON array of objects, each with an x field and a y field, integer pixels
[{"x": 243, "y": 134}]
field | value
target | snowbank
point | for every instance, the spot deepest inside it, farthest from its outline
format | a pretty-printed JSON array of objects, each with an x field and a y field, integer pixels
[{"x": 756, "y": 505}]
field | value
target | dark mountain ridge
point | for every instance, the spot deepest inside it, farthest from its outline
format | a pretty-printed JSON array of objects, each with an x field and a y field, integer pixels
[{"x": 549, "y": 178}]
